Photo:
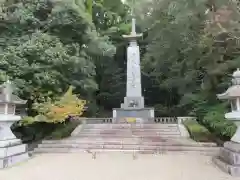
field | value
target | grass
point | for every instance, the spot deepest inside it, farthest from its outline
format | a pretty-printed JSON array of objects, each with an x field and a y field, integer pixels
[{"x": 198, "y": 132}]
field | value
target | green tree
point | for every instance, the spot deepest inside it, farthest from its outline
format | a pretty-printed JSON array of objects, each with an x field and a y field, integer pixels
[{"x": 47, "y": 46}]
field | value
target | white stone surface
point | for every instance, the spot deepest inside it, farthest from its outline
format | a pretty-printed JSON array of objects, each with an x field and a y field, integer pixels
[
  {"x": 233, "y": 116},
  {"x": 236, "y": 136},
  {"x": 6, "y": 122},
  {"x": 77, "y": 130},
  {"x": 13, "y": 160},
  {"x": 183, "y": 131},
  {"x": 6, "y": 117},
  {"x": 114, "y": 113},
  {"x": 134, "y": 88},
  {"x": 5, "y": 131},
  {"x": 13, "y": 150},
  {"x": 152, "y": 114},
  {"x": 10, "y": 142},
  {"x": 116, "y": 166}
]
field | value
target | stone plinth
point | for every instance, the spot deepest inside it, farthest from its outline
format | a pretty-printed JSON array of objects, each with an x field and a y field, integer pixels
[
  {"x": 12, "y": 150},
  {"x": 229, "y": 158},
  {"x": 145, "y": 115}
]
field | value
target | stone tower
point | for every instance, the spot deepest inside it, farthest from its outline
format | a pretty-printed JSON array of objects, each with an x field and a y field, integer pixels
[{"x": 133, "y": 106}]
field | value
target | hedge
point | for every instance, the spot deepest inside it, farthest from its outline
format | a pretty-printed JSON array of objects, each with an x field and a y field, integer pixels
[
  {"x": 198, "y": 132},
  {"x": 217, "y": 124}
]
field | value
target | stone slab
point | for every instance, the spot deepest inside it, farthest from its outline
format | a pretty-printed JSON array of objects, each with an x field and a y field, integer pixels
[
  {"x": 12, "y": 150},
  {"x": 168, "y": 149},
  {"x": 144, "y": 113},
  {"x": 9, "y": 118},
  {"x": 132, "y": 126},
  {"x": 13, "y": 160},
  {"x": 232, "y": 146},
  {"x": 183, "y": 131},
  {"x": 230, "y": 169},
  {"x": 230, "y": 157},
  {"x": 10, "y": 142},
  {"x": 77, "y": 130}
]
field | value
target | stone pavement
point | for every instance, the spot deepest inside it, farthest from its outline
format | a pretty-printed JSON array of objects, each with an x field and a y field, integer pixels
[{"x": 116, "y": 166}]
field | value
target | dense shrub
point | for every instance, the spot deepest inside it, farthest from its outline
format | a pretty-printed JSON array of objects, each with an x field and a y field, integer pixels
[
  {"x": 214, "y": 120},
  {"x": 33, "y": 132},
  {"x": 63, "y": 130},
  {"x": 198, "y": 132},
  {"x": 37, "y": 131},
  {"x": 58, "y": 111}
]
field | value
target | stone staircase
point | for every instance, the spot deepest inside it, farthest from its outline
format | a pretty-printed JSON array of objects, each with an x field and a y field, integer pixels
[{"x": 143, "y": 138}]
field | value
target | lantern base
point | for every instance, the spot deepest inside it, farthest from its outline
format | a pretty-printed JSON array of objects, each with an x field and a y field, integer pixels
[
  {"x": 12, "y": 152},
  {"x": 229, "y": 158}
]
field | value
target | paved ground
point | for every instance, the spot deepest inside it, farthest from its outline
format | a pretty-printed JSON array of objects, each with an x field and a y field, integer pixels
[{"x": 115, "y": 166}]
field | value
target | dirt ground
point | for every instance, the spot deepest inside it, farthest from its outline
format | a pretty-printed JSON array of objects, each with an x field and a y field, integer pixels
[{"x": 115, "y": 166}]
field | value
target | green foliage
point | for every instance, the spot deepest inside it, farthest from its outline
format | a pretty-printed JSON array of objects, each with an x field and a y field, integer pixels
[
  {"x": 37, "y": 131},
  {"x": 214, "y": 120},
  {"x": 32, "y": 132},
  {"x": 189, "y": 51},
  {"x": 26, "y": 120},
  {"x": 46, "y": 46},
  {"x": 63, "y": 130},
  {"x": 57, "y": 112},
  {"x": 198, "y": 132}
]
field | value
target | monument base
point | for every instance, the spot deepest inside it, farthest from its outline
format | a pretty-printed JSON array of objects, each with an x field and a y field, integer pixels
[
  {"x": 144, "y": 115},
  {"x": 229, "y": 158},
  {"x": 12, "y": 152}
]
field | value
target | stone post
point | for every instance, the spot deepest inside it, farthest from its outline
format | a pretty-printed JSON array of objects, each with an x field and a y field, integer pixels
[{"x": 133, "y": 106}]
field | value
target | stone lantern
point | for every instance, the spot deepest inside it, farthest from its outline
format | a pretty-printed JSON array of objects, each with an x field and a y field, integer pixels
[
  {"x": 12, "y": 150},
  {"x": 229, "y": 158}
]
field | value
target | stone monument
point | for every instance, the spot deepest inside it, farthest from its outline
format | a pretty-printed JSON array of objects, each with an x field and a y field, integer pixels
[
  {"x": 12, "y": 150},
  {"x": 229, "y": 157},
  {"x": 133, "y": 106}
]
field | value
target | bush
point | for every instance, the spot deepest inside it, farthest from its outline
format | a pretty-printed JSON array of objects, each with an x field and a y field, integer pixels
[
  {"x": 214, "y": 120},
  {"x": 58, "y": 111},
  {"x": 63, "y": 130},
  {"x": 32, "y": 132},
  {"x": 36, "y": 131},
  {"x": 198, "y": 132}
]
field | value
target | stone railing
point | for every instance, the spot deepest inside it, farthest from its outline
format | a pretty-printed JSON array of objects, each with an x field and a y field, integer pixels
[
  {"x": 166, "y": 120},
  {"x": 182, "y": 119},
  {"x": 96, "y": 120},
  {"x": 160, "y": 120}
]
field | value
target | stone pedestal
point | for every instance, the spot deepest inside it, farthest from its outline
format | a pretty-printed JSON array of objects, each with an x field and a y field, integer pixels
[
  {"x": 12, "y": 150},
  {"x": 229, "y": 158},
  {"x": 142, "y": 115}
]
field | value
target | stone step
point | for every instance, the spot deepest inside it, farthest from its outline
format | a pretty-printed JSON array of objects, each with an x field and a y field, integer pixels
[
  {"x": 124, "y": 142},
  {"x": 214, "y": 150},
  {"x": 104, "y": 145},
  {"x": 128, "y": 126},
  {"x": 228, "y": 168},
  {"x": 106, "y": 135},
  {"x": 128, "y": 133},
  {"x": 134, "y": 130}
]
